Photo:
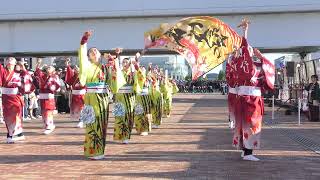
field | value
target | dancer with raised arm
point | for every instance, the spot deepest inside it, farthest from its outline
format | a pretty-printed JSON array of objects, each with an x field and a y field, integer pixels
[
  {"x": 253, "y": 78},
  {"x": 157, "y": 98},
  {"x": 169, "y": 88},
  {"x": 98, "y": 79},
  {"x": 142, "y": 109},
  {"x": 49, "y": 84},
  {"x": 125, "y": 99}
]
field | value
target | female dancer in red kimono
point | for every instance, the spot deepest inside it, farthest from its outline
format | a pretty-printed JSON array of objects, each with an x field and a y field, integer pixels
[
  {"x": 15, "y": 81},
  {"x": 254, "y": 77},
  {"x": 49, "y": 84},
  {"x": 78, "y": 92}
]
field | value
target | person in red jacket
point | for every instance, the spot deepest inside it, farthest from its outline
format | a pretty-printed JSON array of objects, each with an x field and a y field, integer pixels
[
  {"x": 78, "y": 92},
  {"x": 49, "y": 84},
  {"x": 254, "y": 76},
  {"x": 15, "y": 81}
]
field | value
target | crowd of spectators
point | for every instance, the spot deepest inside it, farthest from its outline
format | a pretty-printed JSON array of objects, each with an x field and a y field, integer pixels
[{"x": 203, "y": 86}]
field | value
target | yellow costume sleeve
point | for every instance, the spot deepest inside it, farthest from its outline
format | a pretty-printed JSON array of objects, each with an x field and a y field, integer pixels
[
  {"x": 117, "y": 79},
  {"x": 175, "y": 89},
  {"x": 164, "y": 88},
  {"x": 139, "y": 80},
  {"x": 83, "y": 64}
]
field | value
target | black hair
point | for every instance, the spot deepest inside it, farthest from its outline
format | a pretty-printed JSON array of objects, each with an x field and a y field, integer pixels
[
  {"x": 90, "y": 50},
  {"x": 315, "y": 76}
]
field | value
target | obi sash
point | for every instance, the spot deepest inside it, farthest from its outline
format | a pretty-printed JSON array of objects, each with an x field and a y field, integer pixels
[
  {"x": 249, "y": 91},
  {"x": 98, "y": 88}
]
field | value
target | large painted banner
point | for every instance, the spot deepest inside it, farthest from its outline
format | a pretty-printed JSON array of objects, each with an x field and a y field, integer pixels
[{"x": 205, "y": 42}]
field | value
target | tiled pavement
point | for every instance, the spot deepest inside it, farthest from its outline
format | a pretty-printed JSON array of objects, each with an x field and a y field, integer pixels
[{"x": 194, "y": 143}]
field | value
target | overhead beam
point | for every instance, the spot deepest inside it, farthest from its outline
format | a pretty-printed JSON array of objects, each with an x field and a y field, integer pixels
[{"x": 132, "y": 52}]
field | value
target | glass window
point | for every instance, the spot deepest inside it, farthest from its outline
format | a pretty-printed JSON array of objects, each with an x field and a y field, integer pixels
[
  {"x": 310, "y": 70},
  {"x": 317, "y": 65}
]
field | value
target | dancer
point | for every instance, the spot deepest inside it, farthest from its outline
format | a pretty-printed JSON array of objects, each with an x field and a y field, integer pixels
[
  {"x": 125, "y": 99},
  {"x": 313, "y": 98},
  {"x": 49, "y": 84},
  {"x": 170, "y": 88},
  {"x": 15, "y": 81},
  {"x": 77, "y": 92},
  {"x": 254, "y": 77},
  {"x": 98, "y": 79},
  {"x": 157, "y": 98},
  {"x": 142, "y": 109}
]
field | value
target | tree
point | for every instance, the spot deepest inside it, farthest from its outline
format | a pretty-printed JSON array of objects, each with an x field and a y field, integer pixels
[
  {"x": 221, "y": 75},
  {"x": 187, "y": 78}
]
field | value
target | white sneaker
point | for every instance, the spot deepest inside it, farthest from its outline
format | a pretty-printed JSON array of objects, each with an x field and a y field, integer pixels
[
  {"x": 80, "y": 124},
  {"x": 10, "y": 140},
  {"x": 231, "y": 125},
  {"x": 167, "y": 116},
  {"x": 97, "y": 157},
  {"x": 242, "y": 154},
  {"x": 48, "y": 131},
  {"x": 18, "y": 138},
  {"x": 26, "y": 119},
  {"x": 126, "y": 141},
  {"x": 144, "y": 134},
  {"x": 250, "y": 158},
  {"x": 155, "y": 126}
]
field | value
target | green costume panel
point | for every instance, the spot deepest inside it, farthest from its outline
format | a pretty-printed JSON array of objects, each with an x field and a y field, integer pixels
[
  {"x": 168, "y": 90},
  {"x": 123, "y": 112},
  {"x": 124, "y": 104},
  {"x": 157, "y": 104},
  {"x": 142, "y": 113}
]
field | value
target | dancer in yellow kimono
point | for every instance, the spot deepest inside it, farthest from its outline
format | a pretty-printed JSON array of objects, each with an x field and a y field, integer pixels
[
  {"x": 157, "y": 98},
  {"x": 123, "y": 109},
  {"x": 98, "y": 79},
  {"x": 142, "y": 110},
  {"x": 169, "y": 89}
]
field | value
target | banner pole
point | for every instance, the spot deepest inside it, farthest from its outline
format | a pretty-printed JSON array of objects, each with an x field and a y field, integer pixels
[
  {"x": 272, "y": 107},
  {"x": 299, "y": 110}
]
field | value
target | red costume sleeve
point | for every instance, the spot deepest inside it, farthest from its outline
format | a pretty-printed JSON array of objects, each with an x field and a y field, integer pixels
[
  {"x": 244, "y": 42},
  {"x": 85, "y": 38},
  {"x": 53, "y": 84},
  {"x": 269, "y": 74},
  {"x": 229, "y": 73},
  {"x": 27, "y": 83},
  {"x": 69, "y": 76},
  {"x": 245, "y": 67},
  {"x": 1, "y": 74},
  {"x": 38, "y": 73}
]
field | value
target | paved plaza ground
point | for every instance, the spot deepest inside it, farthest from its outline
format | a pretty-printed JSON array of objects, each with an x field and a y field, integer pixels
[{"x": 195, "y": 143}]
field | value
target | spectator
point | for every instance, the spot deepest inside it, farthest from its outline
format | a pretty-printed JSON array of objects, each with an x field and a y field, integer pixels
[
  {"x": 313, "y": 98},
  {"x": 63, "y": 96},
  {"x": 33, "y": 104}
]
